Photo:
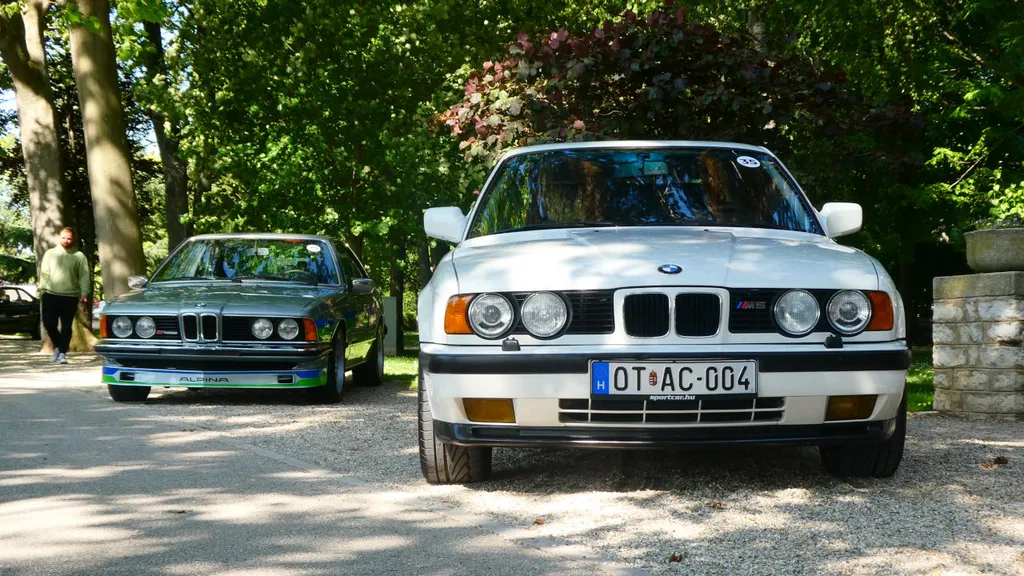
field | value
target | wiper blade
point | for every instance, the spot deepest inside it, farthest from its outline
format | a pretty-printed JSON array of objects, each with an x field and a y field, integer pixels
[
  {"x": 183, "y": 278},
  {"x": 239, "y": 279},
  {"x": 557, "y": 225}
]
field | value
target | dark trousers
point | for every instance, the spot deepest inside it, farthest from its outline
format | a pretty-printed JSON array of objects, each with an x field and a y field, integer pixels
[{"x": 62, "y": 309}]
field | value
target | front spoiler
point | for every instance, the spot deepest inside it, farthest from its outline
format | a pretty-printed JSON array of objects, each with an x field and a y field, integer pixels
[
  {"x": 595, "y": 437},
  {"x": 282, "y": 379}
]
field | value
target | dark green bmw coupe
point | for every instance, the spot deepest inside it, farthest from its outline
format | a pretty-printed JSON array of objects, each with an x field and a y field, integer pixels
[{"x": 246, "y": 311}]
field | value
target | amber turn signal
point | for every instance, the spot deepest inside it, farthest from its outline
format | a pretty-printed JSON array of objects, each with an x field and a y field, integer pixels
[
  {"x": 850, "y": 407},
  {"x": 881, "y": 311},
  {"x": 103, "y": 326},
  {"x": 310, "y": 329},
  {"x": 489, "y": 410},
  {"x": 456, "y": 319}
]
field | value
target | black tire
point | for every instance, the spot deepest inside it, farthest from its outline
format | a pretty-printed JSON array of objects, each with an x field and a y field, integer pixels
[
  {"x": 447, "y": 463},
  {"x": 332, "y": 391},
  {"x": 877, "y": 460},
  {"x": 371, "y": 372},
  {"x": 128, "y": 393},
  {"x": 36, "y": 333}
]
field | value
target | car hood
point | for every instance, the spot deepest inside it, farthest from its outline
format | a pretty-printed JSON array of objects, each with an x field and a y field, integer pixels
[
  {"x": 602, "y": 258},
  {"x": 247, "y": 298}
]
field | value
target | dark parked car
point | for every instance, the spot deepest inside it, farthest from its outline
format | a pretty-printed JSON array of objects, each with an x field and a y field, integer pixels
[
  {"x": 246, "y": 311},
  {"x": 19, "y": 311}
]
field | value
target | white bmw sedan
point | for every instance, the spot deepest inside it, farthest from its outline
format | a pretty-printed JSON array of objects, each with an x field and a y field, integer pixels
[{"x": 656, "y": 294}]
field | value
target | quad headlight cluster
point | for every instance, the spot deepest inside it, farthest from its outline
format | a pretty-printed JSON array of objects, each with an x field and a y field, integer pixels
[
  {"x": 144, "y": 327},
  {"x": 848, "y": 312},
  {"x": 490, "y": 315},
  {"x": 263, "y": 328}
]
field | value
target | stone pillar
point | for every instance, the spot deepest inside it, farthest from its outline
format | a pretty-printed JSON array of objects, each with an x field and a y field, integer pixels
[{"x": 978, "y": 354}]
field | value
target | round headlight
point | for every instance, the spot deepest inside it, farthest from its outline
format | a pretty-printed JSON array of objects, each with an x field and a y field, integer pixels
[
  {"x": 849, "y": 311},
  {"x": 145, "y": 327},
  {"x": 490, "y": 315},
  {"x": 288, "y": 329},
  {"x": 262, "y": 328},
  {"x": 544, "y": 314},
  {"x": 797, "y": 312},
  {"x": 122, "y": 327}
]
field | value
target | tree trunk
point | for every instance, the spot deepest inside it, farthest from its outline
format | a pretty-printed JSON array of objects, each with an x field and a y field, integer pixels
[
  {"x": 22, "y": 49},
  {"x": 106, "y": 144},
  {"x": 398, "y": 291},
  {"x": 423, "y": 261},
  {"x": 438, "y": 252},
  {"x": 175, "y": 173}
]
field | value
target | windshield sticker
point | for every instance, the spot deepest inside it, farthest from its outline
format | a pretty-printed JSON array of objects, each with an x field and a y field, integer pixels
[
  {"x": 748, "y": 162},
  {"x": 312, "y": 248}
]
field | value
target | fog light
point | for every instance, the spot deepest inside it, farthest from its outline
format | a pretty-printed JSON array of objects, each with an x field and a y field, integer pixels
[
  {"x": 850, "y": 407},
  {"x": 489, "y": 410}
]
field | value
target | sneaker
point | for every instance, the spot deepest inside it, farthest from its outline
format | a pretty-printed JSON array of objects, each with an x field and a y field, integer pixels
[
  {"x": 56, "y": 355},
  {"x": 61, "y": 359}
]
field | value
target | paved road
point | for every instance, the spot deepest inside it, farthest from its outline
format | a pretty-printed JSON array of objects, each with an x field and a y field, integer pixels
[
  {"x": 91, "y": 487},
  {"x": 262, "y": 482}
]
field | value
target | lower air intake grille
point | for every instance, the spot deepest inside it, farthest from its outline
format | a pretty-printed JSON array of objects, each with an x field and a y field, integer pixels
[{"x": 717, "y": 411}]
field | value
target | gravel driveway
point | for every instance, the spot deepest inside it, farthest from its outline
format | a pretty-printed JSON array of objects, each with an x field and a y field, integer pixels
[{"x": 953, "y": 507}]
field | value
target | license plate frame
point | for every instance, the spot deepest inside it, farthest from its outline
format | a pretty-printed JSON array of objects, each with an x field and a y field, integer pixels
[{"x": 689, "y": 379}]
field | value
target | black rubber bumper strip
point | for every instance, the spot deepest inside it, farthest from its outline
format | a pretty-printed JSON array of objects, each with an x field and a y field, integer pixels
[
  {"x": 566, "y": 437},
  {"x": 512, "y": 363}
]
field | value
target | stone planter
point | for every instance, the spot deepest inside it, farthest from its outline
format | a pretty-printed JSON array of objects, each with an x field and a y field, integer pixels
[{"x": 996, "y": 250}]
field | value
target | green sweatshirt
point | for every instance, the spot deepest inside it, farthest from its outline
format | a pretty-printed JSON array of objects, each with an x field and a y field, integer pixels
[{"x": 64, "y": 273}]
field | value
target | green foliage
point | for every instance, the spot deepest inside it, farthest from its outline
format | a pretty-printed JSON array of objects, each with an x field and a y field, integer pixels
[{"x": 657, "y": 77}]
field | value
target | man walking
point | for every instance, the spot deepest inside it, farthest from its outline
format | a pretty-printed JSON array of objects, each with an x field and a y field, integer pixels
[{"x": 64, "y": 281}]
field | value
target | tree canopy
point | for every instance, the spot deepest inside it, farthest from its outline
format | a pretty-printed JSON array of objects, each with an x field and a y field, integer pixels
[{"x": 351, "y": 118}]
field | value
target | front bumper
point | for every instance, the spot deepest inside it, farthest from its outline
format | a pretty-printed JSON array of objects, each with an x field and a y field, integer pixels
[
  {"x": 215, "y": 366},
  {"x": 551, "y": 395},
  {"x": 565, "y": 437}
]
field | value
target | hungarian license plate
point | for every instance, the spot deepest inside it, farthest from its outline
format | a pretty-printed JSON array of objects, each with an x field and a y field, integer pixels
[{"x": 687, "y": 380}]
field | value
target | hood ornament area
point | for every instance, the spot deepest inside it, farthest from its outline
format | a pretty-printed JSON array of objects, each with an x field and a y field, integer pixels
[{"x": 670, "y": 269}]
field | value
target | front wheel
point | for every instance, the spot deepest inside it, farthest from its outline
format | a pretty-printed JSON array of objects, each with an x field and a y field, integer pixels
[
  {"x": 332, "y": 390},
  {"x": 128, "y": 393},
  {"x": 443, "y": 463},
  {"x": 371, "y": 372},
  {"x": 878, "y": 460}
]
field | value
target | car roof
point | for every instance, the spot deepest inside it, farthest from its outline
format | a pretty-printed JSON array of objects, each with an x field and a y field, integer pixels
[{"x": 634, "y": 144}]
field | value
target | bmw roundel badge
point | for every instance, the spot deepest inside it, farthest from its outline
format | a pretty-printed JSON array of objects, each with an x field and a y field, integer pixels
[{"x": 670, "y": 269}]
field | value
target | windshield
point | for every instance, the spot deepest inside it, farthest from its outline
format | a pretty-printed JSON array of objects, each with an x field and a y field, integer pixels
[
  {"x": 642, "y": 187},
  {"x": 236, "y": 259}
]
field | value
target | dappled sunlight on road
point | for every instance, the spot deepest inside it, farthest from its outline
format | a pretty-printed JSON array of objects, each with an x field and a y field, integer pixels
[{"x": 954, "y": 507}]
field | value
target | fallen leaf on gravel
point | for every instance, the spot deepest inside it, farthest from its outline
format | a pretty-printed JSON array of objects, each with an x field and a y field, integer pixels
[
  {"x": 188, "y": 429},
  {"x": 538, "y": 521},
  {"x": 995, "y": 463},
  {"x": 177, "y": 511},
  {"x": 716, "y": 505},
  {"x": 675, "y": 557}
]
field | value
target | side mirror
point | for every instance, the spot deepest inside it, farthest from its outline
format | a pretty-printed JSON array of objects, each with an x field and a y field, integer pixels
[
  {"x": 362, "y": 285},
  {"x": 137, "y": 282},
  {"x": 841, "y": 218},
  {"x": 446, "y": 223}
]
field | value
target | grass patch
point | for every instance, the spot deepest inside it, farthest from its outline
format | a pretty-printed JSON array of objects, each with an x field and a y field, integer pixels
[
  {"x": 403, "y": 369},
  {"x": 411, "y": 341},
  {"x": 919, "y": 381}
]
